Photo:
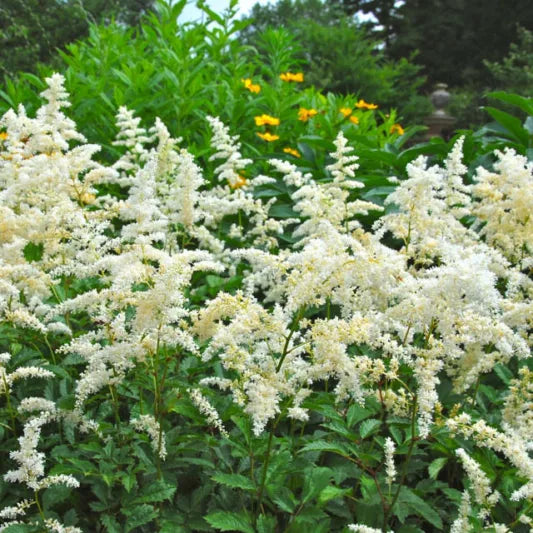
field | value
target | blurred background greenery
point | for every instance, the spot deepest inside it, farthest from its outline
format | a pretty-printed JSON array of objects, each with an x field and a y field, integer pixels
[{"x": 387, "y": 51}]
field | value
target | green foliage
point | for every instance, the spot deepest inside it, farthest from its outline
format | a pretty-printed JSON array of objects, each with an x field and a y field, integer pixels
[
  {"x": 32, "y": 30},
  {"x": 341, "y": 57},
  {"x": 514, "y": 73},
  {"x": 321, "y": 473},
  {"x": 453, "y": 40}
]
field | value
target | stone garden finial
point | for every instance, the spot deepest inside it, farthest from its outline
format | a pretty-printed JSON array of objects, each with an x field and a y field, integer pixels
[{"x": 439, "y": 122}]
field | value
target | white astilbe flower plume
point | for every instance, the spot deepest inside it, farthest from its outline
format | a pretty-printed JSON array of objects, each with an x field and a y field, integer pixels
[
  {"x": 148, "y": 424},
  {"x": 389, "y": 448},
  {"x": 462, "y": 523},
  {"x": 210, "y": 413},
  {"x": 31, "y": 462},
  {"x": 228, "y": 149},
  {"x": 479, "y": 484},
  {"x": 504, "y": 206},
  {"x": 133, "y": 138},
  {"x": 358, "y": 528}
]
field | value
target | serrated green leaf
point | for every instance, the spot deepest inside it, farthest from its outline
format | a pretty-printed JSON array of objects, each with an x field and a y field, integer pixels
[
  {"x": 266, "y": 524},
  {"x": 235, "y": 481},
  {"x": 330, "y": 493},
  {"x": 436, "y": 466},
  {"x": 157, "y": 491},
  {"x": 138, "y": 516},
  {"x": 453, "y": 494},
  {"x": 128, "y": 481},
  {"x": 33, "y": 252},
  {"x": 503, "y": 373},
  {"x": 284, "y": 499},
  {"x": 324, "y": 446},
  {"x": 368, "y": 427},
  {"x": 54, "y": 495},
  {"x": 316, "y": 479},
  {"x": 396, "y": 432},
  {"x": 110, "y": 523},
  {"x": 356, "y": 413},
  {"x": 228, "y": 521},
  {"x": 419, "y": 507},
  {"x": 311, "y": 515}
]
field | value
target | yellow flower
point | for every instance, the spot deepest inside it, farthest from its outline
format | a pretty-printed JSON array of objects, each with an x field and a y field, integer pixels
[
  {"x": 365, "y": 105},
  {"x": 261, "y": 120},
  {"x": 268, "y": 136},
  {"x": 289, "y": 76},
  {"x": 346, "y": 111},
  {"x": 87, "y": 198},
  {"x": 354, "y": 120},
  {"x": 292, "y": 151},
  {"x": 396, "y": 128},
  {"x": 252, "y": 87},
  {"x": 3, "y": 136},
  {"x": 241, "y": 181},
  {"x": 305, "y": 114}
]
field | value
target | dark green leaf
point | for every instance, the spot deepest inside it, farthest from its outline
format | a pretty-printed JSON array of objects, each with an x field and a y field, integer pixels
[
  {"x": 235, "y": 481},
  {"x": 436, "y": 466},
  {"x": 266, "y": 524},
  {"x": 419, "y": 507},
  {"x": 33, "y": 252},
  {"x": 228, "y": 521},
  {"x": 330, "y": 493},
  {"x": 158, "y": 491},
  {"x": 138, "y": 515},
  {"x": 511, "y": 124},
  {"x": 368, "y": 427}
]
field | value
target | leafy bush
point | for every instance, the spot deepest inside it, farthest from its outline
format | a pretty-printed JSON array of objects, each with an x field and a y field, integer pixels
[
  {"x": 237, "y": 346},
  {"x": 515, "y": 72},
  {"x": 32, "y": 30},
  {"x": 341, "y": 57}
]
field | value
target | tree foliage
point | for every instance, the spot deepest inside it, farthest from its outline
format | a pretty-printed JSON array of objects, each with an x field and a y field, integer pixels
[
  {"x": 454, "y": 37},
  {"x": 341, "y": 55},
  {"x": 32, "y": 30}
]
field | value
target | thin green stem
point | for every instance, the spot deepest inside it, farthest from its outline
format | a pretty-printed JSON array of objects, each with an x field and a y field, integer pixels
[
  {"x": 114, "y": 399},
  {"x": 264, "y": 472},
  {"x": 288, "y": 339},
  {"x": 405, "y": 468},
  {"x": 38, "y": 503}
]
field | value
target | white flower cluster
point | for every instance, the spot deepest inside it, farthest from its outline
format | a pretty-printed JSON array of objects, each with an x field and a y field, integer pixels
[
  {"x": 389, "y": 447},
  {"x": 151, "y": 426},
  {"x": 365, "y": 529},
  {"x": 504, "y": 206},
  {"x": 479, "y": 484},
  {"x": 203, "y": 405},
  {"x": 452, "y": 299}
]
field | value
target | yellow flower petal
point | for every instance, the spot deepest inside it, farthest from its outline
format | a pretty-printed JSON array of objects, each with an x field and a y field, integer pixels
[
  {"x": 292, "y": 151},
  {"x": 346, "y": 111},
  {"x": 365, "y": 105},
  {"x": 289, "y": 76},
  {"x": 262, "y": 120},
  {"x": 267, "y": 136},
  {"x": 305, "y": 114},
  {"x": 252, "y": 87},
  {"x": 396, "y": 128}
]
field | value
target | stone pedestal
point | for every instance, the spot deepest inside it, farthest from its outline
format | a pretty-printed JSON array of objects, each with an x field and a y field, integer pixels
[{"x": 439, "y": 122}]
